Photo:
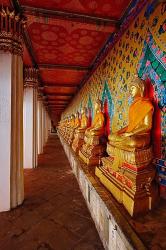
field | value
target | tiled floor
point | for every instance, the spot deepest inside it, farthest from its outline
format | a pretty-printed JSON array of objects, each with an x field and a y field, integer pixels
[{"x": 54, "y": 215}]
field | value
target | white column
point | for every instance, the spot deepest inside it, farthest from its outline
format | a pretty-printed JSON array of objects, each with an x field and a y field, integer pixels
[
  {"x": 11, "y": 114},
  {"x": 43, "y": 126},
  {"x": 40, "y": 126},
  {"x": 30, "y": 118},
  {"x": 5, "y": 129}
]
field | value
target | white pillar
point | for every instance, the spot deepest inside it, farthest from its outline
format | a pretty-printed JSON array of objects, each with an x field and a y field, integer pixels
[
  {"x": 44, "y": 125},
  {"x": 30, "y": 118},
  {"x": 40, "y": 126},
  {"x": 11, "y": 113}
]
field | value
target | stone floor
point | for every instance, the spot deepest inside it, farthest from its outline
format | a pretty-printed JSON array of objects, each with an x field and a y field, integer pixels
[{"x": 54, "y": 215}]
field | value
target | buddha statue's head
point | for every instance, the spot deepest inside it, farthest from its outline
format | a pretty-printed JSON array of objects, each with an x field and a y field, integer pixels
[
  {"x": 98, "y": 106},
  {"x": 137, "y": 87}
]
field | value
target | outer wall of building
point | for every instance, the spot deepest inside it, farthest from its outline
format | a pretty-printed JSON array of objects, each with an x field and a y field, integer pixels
[{"x": 142, "y": 50}]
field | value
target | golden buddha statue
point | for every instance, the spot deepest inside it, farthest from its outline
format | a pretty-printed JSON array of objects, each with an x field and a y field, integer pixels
[
  {"x": 97, "y": 127},
  {"x": 80, "y": 131},
  {"x": 137, "y": 134},
  {"x": 128, "y": 172},
  {"x": 68, "y": 126},
  {"x": 94, "y": 143},
  {"x": 75, "y": 123},
  {"x": 84, "y": 120}
]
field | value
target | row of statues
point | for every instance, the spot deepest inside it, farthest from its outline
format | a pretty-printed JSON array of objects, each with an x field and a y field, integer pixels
[{"x": 123, "y": 161}]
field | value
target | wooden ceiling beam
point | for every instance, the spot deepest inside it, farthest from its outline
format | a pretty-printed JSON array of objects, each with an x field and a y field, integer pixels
[
  {"x": 57, "y": 104},
  {"x": 59, "y": 94},
  {"x": 78, "y": 17},
  {"x": 63, "y": 66},
  {"x": 60, "y": 85},
  {"x": 57, "y": 109},
  {"x": 58, "y": 98},
  {"x": 58, "y": 101}
]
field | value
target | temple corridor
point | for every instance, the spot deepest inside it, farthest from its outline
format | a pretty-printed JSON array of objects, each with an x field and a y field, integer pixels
[
  {"x": 54, "y": 215},
  {"x": 83, "y": 125}
]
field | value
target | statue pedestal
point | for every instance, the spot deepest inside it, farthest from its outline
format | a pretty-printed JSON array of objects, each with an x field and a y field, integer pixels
[
  {"x": 65, "y": 134},
  {"x": 133, "y": 185},
  {"x": 78, "y": 141},
  {"x": 93, "y": 149},
  {"x": 71, "y": 136}
]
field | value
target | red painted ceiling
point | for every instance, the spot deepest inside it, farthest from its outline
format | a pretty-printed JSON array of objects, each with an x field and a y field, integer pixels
[
  {"x": 60, "y": 90},
  {"x": 61, "y": 76},
  {"x": 63, "y": 48},
  {"x": 5, "y": 3},
  {"x": 57, "y": 98},
  {"x": 104, "y": 8},
  {"x": 64, "y": 44}
]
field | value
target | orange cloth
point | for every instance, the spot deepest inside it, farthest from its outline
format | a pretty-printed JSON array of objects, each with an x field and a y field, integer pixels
[{"x": 137, "y": 112}]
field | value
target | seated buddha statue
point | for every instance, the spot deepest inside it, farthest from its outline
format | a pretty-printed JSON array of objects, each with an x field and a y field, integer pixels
[
  {"x": 80, "y": 131},
  {"x": 75, "y": 123},
  {"x": 97, "y": 127},
  {"x": 128, "y": 171},
  {"x": 137, "y": 133},
  {"x": 69, "y": 125},
  {"x": 84, "y": 121},
  {"x": 93, "y": 146}
]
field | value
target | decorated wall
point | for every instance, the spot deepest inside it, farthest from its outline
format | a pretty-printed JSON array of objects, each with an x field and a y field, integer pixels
[{"x": 142, "y": 50}]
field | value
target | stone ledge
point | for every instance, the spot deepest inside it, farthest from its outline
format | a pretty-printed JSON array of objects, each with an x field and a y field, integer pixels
[{"x": 113, "y": 228}]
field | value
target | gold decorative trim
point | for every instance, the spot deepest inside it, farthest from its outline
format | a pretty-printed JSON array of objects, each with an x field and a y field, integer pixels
[
  {"x": 11, "y": 30},
  {"x": 31, "y": 77}
]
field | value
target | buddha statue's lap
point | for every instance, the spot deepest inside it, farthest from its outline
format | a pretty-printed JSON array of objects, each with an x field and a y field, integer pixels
[{"x": 132, "y": 142}]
